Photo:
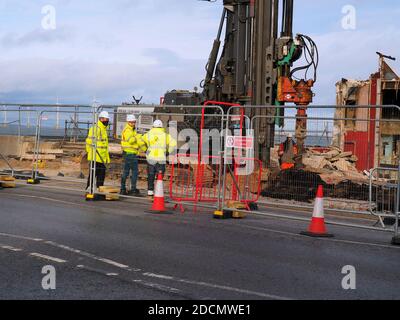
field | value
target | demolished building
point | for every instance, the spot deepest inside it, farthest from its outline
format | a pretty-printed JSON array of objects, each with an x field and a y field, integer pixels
[{"x": 371, "y": 134}]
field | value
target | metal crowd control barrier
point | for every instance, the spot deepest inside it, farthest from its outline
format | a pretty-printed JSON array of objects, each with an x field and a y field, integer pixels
[
  {"x": 184, "y": 125},
  {"x": 17, "y": 134},
  {"x": 199, "y": 181},
  {"x": 329, "y": 125},
  {"x": 396, "y": 237},
  {"x": 352, "y": 129},
  {"x": 58, "y": 159},
  {"x": 383, "y": 194},
  {"x": 191, "y": 181}
]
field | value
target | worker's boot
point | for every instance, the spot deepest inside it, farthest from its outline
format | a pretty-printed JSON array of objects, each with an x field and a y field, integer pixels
[
  {"x": 134, "y": 192},
  {"x": 123, "y": 192},
  {"x": 150, "y": 194}
]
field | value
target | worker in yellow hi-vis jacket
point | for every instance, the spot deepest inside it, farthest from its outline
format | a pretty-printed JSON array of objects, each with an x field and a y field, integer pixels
[
  {"x": 132, "y": 144},
  {"x": 158, "y": 143},
  {"x": 98, "y": 135}
]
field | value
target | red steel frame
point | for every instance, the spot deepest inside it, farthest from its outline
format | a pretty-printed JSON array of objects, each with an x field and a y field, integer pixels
[
  {"x": 198, "y": 193},
  {"x": 188, "y": 188}
]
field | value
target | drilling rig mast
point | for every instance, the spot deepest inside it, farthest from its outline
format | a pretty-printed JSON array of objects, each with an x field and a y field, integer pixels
[{"x": 255, "y": 67}]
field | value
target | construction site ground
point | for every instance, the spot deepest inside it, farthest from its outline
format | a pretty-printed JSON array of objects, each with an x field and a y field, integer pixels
[
  {"x": 346, "y": 188},
  {"x": 72, "y": 173},
  {"x": 118, "y": 250}
]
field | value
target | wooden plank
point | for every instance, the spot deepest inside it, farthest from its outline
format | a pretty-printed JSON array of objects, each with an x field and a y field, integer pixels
[
  {"x": 51, "y": 151},
  {"x": 7, "y": 178},
  {"x": 108, "y": 189},
  {"x": 40, "y": 157},
  {"x": 8, "y": 184},
  {"x": 112, "y": 192}
]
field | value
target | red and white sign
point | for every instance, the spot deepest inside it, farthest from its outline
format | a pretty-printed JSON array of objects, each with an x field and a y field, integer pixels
[
  {"x": 240, "y": 142},
  {"x": 236, "y": 118}
]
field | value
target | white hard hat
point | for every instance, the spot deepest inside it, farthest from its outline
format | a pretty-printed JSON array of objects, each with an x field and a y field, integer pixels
[
  {"x": 157, "y": 124},
  {"x": 130, "y": 118},
  {"x": 104, "y": 114},
  {"x": 290, "y": 135}
]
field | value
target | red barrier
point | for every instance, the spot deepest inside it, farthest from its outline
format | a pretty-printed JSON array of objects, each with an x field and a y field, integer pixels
[
  {"x": 193, "y": 182},
  {"x": 195, "y": 177}
]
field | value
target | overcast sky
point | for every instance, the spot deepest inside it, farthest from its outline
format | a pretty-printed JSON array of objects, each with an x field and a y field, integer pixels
[{"x": 111, "y": 49}]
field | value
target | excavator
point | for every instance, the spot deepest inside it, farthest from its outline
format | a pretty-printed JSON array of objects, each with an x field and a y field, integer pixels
[{"x": 255, "y": 67}]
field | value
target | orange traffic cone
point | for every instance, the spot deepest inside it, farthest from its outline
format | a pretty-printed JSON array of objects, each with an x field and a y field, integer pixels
[
  {"x": 159, "y": 203},
  {"x": 317, "y": 226}
]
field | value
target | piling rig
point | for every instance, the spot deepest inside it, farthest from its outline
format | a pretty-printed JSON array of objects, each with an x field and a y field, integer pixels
[{"x": 255, "y": 67}]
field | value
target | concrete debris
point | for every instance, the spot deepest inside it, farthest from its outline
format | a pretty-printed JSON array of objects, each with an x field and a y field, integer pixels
[
  {"x": 40, "y": 157},
  {"x": 114, "y": 148},
  {"x": 333, "y": 165}
]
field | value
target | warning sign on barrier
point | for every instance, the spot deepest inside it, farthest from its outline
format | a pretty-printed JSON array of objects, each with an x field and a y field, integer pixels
[{"x": 240, "y": 142}]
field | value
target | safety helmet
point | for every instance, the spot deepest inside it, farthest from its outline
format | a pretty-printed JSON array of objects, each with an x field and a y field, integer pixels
[
  {"x": 290, "y": 135},
  {"x": 157, "y": 124},
  {"x": 130, "y": 118},
  {"x": 104, "y": 114}
]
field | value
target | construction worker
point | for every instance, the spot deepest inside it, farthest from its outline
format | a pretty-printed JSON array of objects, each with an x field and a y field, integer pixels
[
  {"x": 158, "y": 143},
  {"x": 98, "y": 136},
  {"x": 132, "y": 144},
  {"x": 287, "y": 152}
]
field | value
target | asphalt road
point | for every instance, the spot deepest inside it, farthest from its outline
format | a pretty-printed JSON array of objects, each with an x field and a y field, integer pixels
[{"x": 115, "y": 250}]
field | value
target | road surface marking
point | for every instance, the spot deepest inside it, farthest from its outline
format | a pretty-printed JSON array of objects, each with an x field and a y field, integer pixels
[
  {"x": 11, "y": 248},
  {"x": 103, "y": 272},
  {"x": 20, "y": 237},
  {"x": 157, "y": 286},
  {"x": 116, "y": 264},
  {"x": 160, "y": 276},
  {"x": 324, "y": 239},
  {"x": 137, "y": 281},
  {"x": 205, "y": 284},
  {"x": 42, "y": 256},
  {"x": 217, "y": 286},
  {"x": 68, "y": 202},
  {"x": 193, "y": 282},
  {"x": 148, "y": 274},
  {"x": 52, "y": 200},
  {"x": 92, "y": 256}
]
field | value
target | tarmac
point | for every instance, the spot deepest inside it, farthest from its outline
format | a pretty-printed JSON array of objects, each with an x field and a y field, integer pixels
[{"x": 115, "y": 250}]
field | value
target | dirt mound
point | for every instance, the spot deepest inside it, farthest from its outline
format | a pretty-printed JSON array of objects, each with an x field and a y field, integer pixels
[{"x": 300, "y": 185}]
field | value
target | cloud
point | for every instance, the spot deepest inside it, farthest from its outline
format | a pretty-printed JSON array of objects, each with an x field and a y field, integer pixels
[
  {"x": 37, "y": 36},
  {"x": 163, "y": 57},
  {"x": 113, "y": 49},
  {"x": 351, "y": 54},
  {"x": 77, "y": 81}
]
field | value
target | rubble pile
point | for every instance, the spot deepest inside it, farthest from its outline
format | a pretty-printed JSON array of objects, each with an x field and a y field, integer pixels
[
  {"x": 301, "y": 185},
  {"x": 333, "y": 165}
]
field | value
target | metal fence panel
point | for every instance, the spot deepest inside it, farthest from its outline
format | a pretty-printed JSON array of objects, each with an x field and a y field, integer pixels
[
  {"x": 60, "y": 154},
  {"x": 18, "y": 127},
  {"x": 184, "y": 124},
  {"x": 341, "y": 147},
  {"x": 383, "y": 194}
]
